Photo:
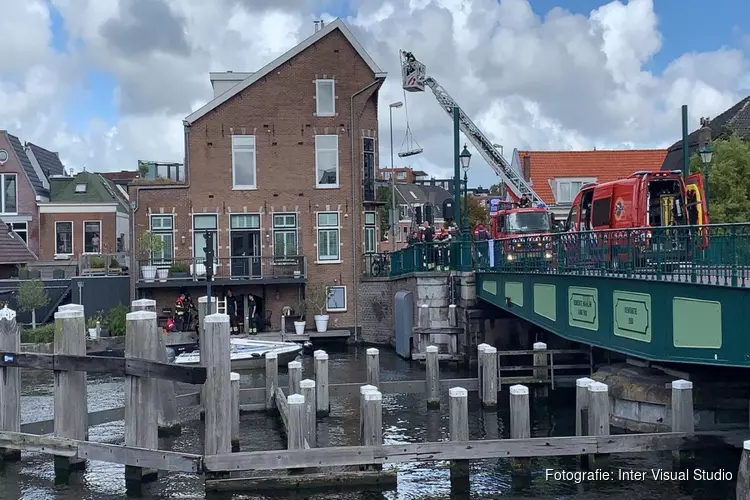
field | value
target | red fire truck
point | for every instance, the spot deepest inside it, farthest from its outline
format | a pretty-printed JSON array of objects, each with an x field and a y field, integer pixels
[{"x": 522, "y": 233}]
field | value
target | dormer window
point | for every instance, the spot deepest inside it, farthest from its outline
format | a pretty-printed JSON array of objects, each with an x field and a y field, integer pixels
[{"x": 80, "y": 188}]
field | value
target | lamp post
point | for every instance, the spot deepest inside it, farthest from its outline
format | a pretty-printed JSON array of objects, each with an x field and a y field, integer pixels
[
  {"x": 394, "y": 216},
  {"x": 706, "y": 152},
  {"x": 465, "y": 158}
]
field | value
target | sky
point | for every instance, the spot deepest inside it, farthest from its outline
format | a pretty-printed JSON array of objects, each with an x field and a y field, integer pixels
[{"x": 106, "y": 83}]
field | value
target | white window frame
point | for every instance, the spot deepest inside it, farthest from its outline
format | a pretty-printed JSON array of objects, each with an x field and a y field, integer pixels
[
  {"x": 320, "y": 229},
  {"x": 317, "y": 171},
  {"x": 158, "y": 232},
  {"x": 2, "y": 193},
  {"x": 401, "y": 175},
  {"x": 72, "y": 236},
  {"x": 282, "y": 228},
  {"x": 569, "y": 180},
  {"x": 372, "y": 229},
  {"x": 216, "y": 237},
  {"x": 318, "y": 111},
  {"x": 403, "y": 212},
  {"x": 23, "y": 233},
  {"x": 80, "y": 188},
  {"x": 243, "y": 143},
  {"x": 329, "y": 296},
  {"x": 83, "y": 237}
]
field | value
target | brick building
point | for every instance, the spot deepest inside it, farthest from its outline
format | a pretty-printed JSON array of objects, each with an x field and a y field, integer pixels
[{"x": 280, "y": 167}]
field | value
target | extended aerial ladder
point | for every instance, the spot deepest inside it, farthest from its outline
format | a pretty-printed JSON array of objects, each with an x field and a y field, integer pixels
[{"x": 415, "y": 78}]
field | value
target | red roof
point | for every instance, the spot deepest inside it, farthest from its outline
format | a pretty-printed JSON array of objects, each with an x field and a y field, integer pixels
[
  {"x": 604, "y": 165},
  {"x": 12, "y": 249}
]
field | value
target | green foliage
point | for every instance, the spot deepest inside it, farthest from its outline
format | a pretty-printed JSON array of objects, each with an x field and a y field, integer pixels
[
  {"x": 143, "y": 167},
  {"x": 32, "y": 295},
  {"x": 729, "y": 180},
  {"x": 115, "y": 321},
  {"x": 97, "y": 263},
  {"x": 113, "y": 264},
  {"x": 179, "y": 268},
  {"x": 149, "y": 243},
  {"x": 317, "y": 297},
  {"x": 478, "y": 214},
  {"x": 496, "y": 189},
  {"x": 91, "y": 322},
  {"x": 42, "y": 335}
]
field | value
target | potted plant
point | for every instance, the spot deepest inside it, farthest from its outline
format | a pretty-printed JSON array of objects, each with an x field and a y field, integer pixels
[
  {"x": 299, "y": 324},
  {"x": 317, "y": 297},
  {"x": 149, "y": 244},
  {"x": 179, "y": 270},
  {"x": 97, "y": 262}
]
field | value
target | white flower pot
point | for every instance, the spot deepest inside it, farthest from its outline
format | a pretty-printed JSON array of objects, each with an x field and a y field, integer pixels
[
  {"x": 149, "y": 273},
  {"x": 299, "y": 327},
  {"x": 321, "y": 322},
  {"x": 93, "y": 333},
  {"x": 163, "y": 274}
]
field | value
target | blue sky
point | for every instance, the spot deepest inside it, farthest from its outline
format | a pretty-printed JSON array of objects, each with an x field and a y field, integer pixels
[{"x": 686, "y": 26}]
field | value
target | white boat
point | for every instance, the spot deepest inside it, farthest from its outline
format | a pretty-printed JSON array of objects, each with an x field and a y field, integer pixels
[{"x": 247, "y": 354}]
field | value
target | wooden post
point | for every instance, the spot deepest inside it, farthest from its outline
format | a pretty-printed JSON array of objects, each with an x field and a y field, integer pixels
[
  {"x": 682, "y": 415},
  {"x": 272, "y": 380},
  {"x": 373, "y": 421},
  {"x": 540, "y": 368},
  {"x": 598, "y": 417},
  {"x": 582, "y": 412},
  {"x": 423, "y": 319},
  {"x": 489, "y": 377},
  {"x": 362, "y": 391},
  {"x": 480, "y": 374},
  {"x": 433, "y": 376},
  {"x": 202, "y": 302},
  {"x": 373, "y": 367},
  {"x": 520, "y": 421},
  {"x": 70, "y": 307},
  {"x": 141, "y": 395},
  {"x": 71, "y": 405},
  {"x": 10, "y": 382},
  {"x": 294, "y": 368},
  {"x": 452, "y": 316},
  {"x": 235, "y": 394},
  {"x": 458, "y": 407},
  {"x": 743, "y": 474},
  {"x": 215, "y": 350},
  {"x": 296, "y": 433},
  {"x": 169, "y": 421},
  {"x": 322, "y": 398},
  {"x": 307, "y": 387}
]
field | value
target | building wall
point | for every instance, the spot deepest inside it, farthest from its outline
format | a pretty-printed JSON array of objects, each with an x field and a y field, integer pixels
[
  {"x": 107, "y": 237},
  {"x": 27, "y": 207},
  {"x": 279, "y": 110}
]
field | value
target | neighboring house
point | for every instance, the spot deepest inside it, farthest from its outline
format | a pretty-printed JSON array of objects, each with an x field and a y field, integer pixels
[
  {"x": 121, "y": 178},
  {"x": 13, "y": 252},
  {"x": 86, "y": 214},
  {"x": 557, "y": 176},
  {"x": 280, "y": 169},
  {"x": 735, "y": 119},
  {"x": 405, "y": 175},
  {"x": 416, "y": 203}
]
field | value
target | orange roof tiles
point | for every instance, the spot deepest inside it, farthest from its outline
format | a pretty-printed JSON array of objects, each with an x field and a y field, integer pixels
[{"x": 604, "y": 165}]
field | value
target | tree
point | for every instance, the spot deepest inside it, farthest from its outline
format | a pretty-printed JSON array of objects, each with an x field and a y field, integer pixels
[
  {"x": 478, "y": 214},
  {"x": 496, "y": 188},
  {"x": 32, "y": 296},
  {"x": 729, "y": 179}
]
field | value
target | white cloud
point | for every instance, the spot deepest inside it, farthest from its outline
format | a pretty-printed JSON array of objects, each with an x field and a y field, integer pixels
[{"x": 564, "y": 81}]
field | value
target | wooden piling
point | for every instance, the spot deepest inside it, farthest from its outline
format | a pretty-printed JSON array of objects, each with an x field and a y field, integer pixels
[
  {"x": 598, "y": 424},
  {"x": 540, "y": 368},
  {"x": 362, "y": 391},
  {"x": 373, "y": 367},
  {"x": 169, "y": 420},
  {"x": 71, "y": 404},
  {"x": 682, "y": 416},
  {"x": 10, "y": 382},
  {"x": 452, "y": 316},
  {"x": 215, "y": 350},
  {"x": 433, "y": 376},
  {"x": 307, "y": 388},
  {"x": 423, "y": 318},
  {"x": 480, "y": 372},
  {"x": 272, "y": 380},
  {"x": 582, "y": 412},
  {"x": 458, "y": 407},
  {"x": 70, "y": 307},
  {"x": 141, "y": 395},
  {"x": 520, "y": 421},
  {"x": 742, "y": 490},
  {"x": 294, "y": 368},
  {"x": 489, "y": 377},
  {"x": 322, "y": 398},
  {"x": 235, "y": 395},
  {"x": 373, "y": 422},
  {"x": 296, "y": 431}
]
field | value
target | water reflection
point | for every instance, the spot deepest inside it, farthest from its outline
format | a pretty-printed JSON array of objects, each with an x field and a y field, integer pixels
[{"x": 405, "y": 419}]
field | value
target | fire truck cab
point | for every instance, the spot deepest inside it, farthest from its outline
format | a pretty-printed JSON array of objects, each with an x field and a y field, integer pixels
[{"x": 523, "y": 233}]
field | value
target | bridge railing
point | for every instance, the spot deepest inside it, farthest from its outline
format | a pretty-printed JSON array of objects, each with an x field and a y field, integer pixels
[
  {"x": 716, "y": 254},
  {"x": 436, "y": 256}
]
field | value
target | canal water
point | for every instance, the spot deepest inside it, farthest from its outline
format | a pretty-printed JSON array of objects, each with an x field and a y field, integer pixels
[{"x": 405, "y": 419}]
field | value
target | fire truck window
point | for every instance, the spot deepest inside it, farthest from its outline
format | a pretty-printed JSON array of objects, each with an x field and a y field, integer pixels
[
  {"x": 601, "y": 212},
  {"x": 500, "y": 223},
  {"x": 571, "y": 220}
]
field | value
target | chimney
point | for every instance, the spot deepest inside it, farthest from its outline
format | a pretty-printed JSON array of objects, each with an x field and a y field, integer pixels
[
  {"x": 318, "y": 25},
  {"x": 527, "y": 168}
]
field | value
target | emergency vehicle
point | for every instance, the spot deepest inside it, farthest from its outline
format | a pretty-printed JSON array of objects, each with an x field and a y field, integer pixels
[{"x": 522, "y": 233}]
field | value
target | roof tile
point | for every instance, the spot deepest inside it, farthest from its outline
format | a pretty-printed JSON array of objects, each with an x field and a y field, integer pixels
[{"x": 12, "y": 249}]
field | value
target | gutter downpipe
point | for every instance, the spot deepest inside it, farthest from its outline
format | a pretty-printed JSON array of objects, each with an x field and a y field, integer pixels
[
  {"x": 135, "y": 204},
  {"x": 352, "y": 133}
]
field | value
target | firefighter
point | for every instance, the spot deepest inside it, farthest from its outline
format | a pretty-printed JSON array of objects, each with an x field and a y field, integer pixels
[
  {"x": 233, "y": 312},
  {"x": 524, "y": 202},
  {"x": 428, "y": 237},
  {"x": 180, "y": 311}
]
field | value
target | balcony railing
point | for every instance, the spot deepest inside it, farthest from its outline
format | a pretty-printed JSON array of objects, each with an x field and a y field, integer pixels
[{"x": 225, "y": 268}]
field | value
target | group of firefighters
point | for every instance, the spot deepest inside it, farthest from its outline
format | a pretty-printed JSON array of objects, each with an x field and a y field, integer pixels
[{"x": 185, "y": 314}]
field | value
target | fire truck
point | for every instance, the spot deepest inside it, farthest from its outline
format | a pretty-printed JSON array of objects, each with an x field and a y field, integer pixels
[{"x": 522, "y": 233}]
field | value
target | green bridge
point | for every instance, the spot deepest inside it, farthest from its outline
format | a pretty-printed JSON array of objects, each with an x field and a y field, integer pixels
[{"x": 675, "y": 294}]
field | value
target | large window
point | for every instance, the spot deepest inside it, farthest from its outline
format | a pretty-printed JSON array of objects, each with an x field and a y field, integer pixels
[
  {"x": 201, "y": 224},
  {"x": 162, "y": 227},
  {"x": 21, "y": 229},
  {"x": 63, "y": 238},
  {"x": 368, "y": 168},
  {"x": 325, "y": 97},
  {"x": 8, "y": 194},
  {"x": 284, "y": 235},
  {"x": 244, "y": 168},
  {"x": 328, "y": 236},
  {"x": 567, "y": 189},
  {"x": 327, "y": 161},
  {"x": 92, "y": 237},
  {"x": 336, "y": 299},
  {"x": 370, "y": 233}
]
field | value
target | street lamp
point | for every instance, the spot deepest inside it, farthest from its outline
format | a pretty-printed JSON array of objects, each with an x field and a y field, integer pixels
[
  {"x": 707, "y": 154},
  {"x": 394, "y": 219},
  {"x": 465, "y": 158}
]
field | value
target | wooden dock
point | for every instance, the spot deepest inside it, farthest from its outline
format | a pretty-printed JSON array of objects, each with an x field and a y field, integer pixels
[{"x": 150, "y": 402}]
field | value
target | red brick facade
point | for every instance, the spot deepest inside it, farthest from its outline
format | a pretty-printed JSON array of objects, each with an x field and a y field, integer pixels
[
  {"x": 279, "y": 110},
  {"x": 26, "y": 197},
  {"x": 107, "y": 236}
]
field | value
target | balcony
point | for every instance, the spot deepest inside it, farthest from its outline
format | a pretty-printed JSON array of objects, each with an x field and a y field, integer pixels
[{"x": 227, "y": 270}]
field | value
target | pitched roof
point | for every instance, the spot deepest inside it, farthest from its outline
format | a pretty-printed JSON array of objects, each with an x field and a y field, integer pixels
[
  {"x": 338, "y": 24},
  {"x": 97, "y": 190},
  {"x": 604, "y": 165},
  {"x": 12, "y": 248},
  {"x": 736, "y": 118},
  {"x": 28, "y": 168},
  {"x": 421, "y": 194},
  {"x": 48, "y": 161}
]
